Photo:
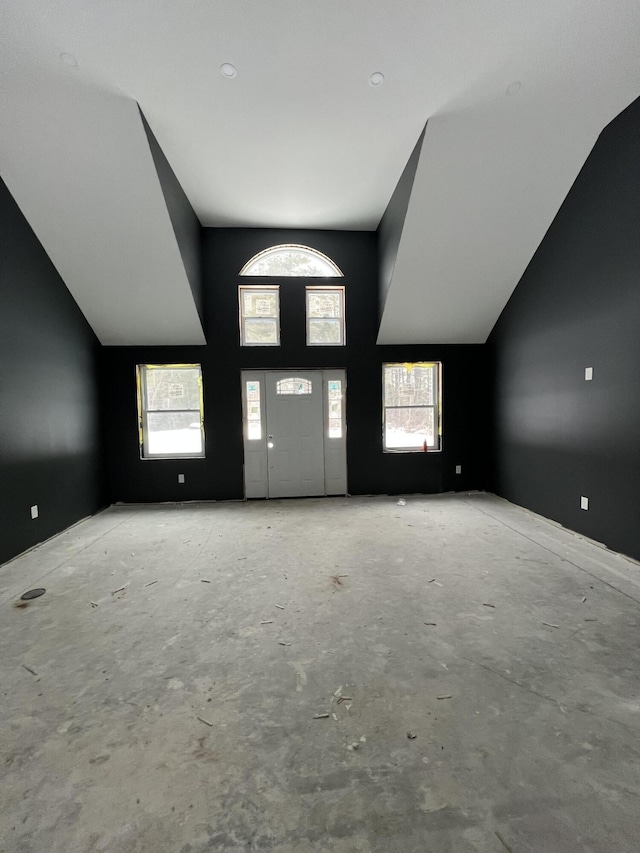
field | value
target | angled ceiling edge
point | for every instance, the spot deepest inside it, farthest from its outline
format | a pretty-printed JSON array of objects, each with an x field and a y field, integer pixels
[
  {"x": 392, "y": 224},
  {"x": 186, "y": 225}
]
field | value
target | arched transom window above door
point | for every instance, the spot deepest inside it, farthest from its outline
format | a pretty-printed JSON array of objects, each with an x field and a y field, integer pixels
[{"x": 293, "y": 260}]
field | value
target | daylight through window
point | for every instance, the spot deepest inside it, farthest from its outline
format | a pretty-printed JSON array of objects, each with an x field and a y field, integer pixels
[
  {"x": 291, "y": 260},
  {"x": 325, "y": 316},
  {"x": 294, "y": 385},
  {"x": 411, "y": 403},
  {"x": 259, "y": 316},
  {"x": 334, "y": 401},
  {"x": 170, "y": 411},
  {"x": 253, "y": 411}
]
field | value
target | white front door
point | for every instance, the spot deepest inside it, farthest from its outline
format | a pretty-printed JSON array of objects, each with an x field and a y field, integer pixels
[
  {"x": 294, "y": 433},
  {"x": 295, "y": 446}
]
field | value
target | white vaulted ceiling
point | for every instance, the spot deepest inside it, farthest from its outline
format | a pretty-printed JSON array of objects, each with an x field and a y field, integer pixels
[{"x": 300, "y": 139}]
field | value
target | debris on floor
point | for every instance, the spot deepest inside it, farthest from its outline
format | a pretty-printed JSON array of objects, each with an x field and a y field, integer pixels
[
  {"x": 204, "y": 581},
  {"x": 280, "y": 607},
  {"x": 484, "y": 604},
  {"x": 280, "y": 643},
  {"x": 116, "y": 591},
  {"x": 28, "y": 668},
  {"x": 353, "y": 746},
  {"x": 151, "y": 583},
  {"x": 402, "y": 502},
  {"x": 267, "y": 622},
  {"x": 321, "y": 716},
  {"x": 446, "y": 696},
  {"x": 550, "y": 625},
  {"x": 411, "y": 736},
  {"x": 433, "y": 624},
  {"x": 344, "y": 699},
  {"x": 206, "y": 722},
  {"x": 94, "y": 604},
  {"x": 503, "y": 842}
]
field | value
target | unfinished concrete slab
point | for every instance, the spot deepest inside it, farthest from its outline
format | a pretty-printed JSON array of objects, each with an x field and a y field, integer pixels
[{"x": 346, "y": 675}]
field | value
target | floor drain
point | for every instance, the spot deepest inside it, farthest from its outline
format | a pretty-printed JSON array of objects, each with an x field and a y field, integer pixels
[{"x": 33, "y": 593}]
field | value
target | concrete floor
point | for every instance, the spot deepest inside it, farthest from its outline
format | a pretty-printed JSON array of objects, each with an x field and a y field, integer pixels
[{"x": 168, "y": 717}]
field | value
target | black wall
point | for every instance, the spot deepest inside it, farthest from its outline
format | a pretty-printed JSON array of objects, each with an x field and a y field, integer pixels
[
  {"x": 50, "y": 443},
  {"x": 219, "y": 476},
  {"x": 558, "y": 437}
]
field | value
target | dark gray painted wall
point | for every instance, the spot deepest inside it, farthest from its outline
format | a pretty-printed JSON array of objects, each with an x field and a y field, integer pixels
[
  {"x": 219, "y": 476},
  {"x": 50, "y": 443},
  {"x": 186, "y": 225},
  {"x": 392, "y": 223},
  {"x": 558, "y": 437}
]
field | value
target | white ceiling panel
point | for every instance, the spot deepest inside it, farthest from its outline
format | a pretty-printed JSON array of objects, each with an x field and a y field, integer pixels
[{"x": 85, "y": 180}]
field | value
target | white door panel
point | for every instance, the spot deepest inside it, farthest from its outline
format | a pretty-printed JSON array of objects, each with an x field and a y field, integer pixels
[
  {"x": 295, "y": 441},
  {"x": 298, "y": 448}
]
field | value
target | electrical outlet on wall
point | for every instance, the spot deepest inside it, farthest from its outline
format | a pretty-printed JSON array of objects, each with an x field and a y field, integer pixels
[
  {"x": 181, "y": 478},
  {"x": 34, "y": 511},
  {"x": 458, "y": 469},
  {"x": 588, "y": 373},
  {"x": 584, "y": 502}
]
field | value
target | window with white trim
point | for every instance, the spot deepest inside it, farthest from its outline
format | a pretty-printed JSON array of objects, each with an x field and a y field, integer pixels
[
  {"x": 259, "y": 316},
  {"x": 170, "y": 411},
  {"x": 294, "y": 385},
  {"x": 325, "y": 316},
  {"x": 334, "y": 406},
  {"x": 291, "y": 259},
  {"x": 253, "y": 410},
  {"x": 411, "y": 406}
]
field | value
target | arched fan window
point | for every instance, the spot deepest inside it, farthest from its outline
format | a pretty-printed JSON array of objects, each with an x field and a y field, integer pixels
[
  {"x": 293, "y": 260},
  {"x": 293, "y": 385}
]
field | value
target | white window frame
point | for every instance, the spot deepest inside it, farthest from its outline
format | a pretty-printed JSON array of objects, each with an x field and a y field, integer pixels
[
  {"x": 436, "y": 406},
  {"x": 258, "y": 288},
  {"x": 255, "y": 265},
  {"x": 343, "y": 326},
  {"x": 144, "y": 410}
]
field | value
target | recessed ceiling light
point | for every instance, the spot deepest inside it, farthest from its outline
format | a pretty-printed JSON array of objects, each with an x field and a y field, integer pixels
[
  {"x": 228, "y": 70},
  {"x": 69, "y": 60},
  {"x": 514, "y": 88},
  {"x": 376, "y": 79}
]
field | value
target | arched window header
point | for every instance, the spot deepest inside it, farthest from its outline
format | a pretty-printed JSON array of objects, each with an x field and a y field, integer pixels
[
  {"x": 294, "y": 260},
  {"x": 294, "y": 385}
]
